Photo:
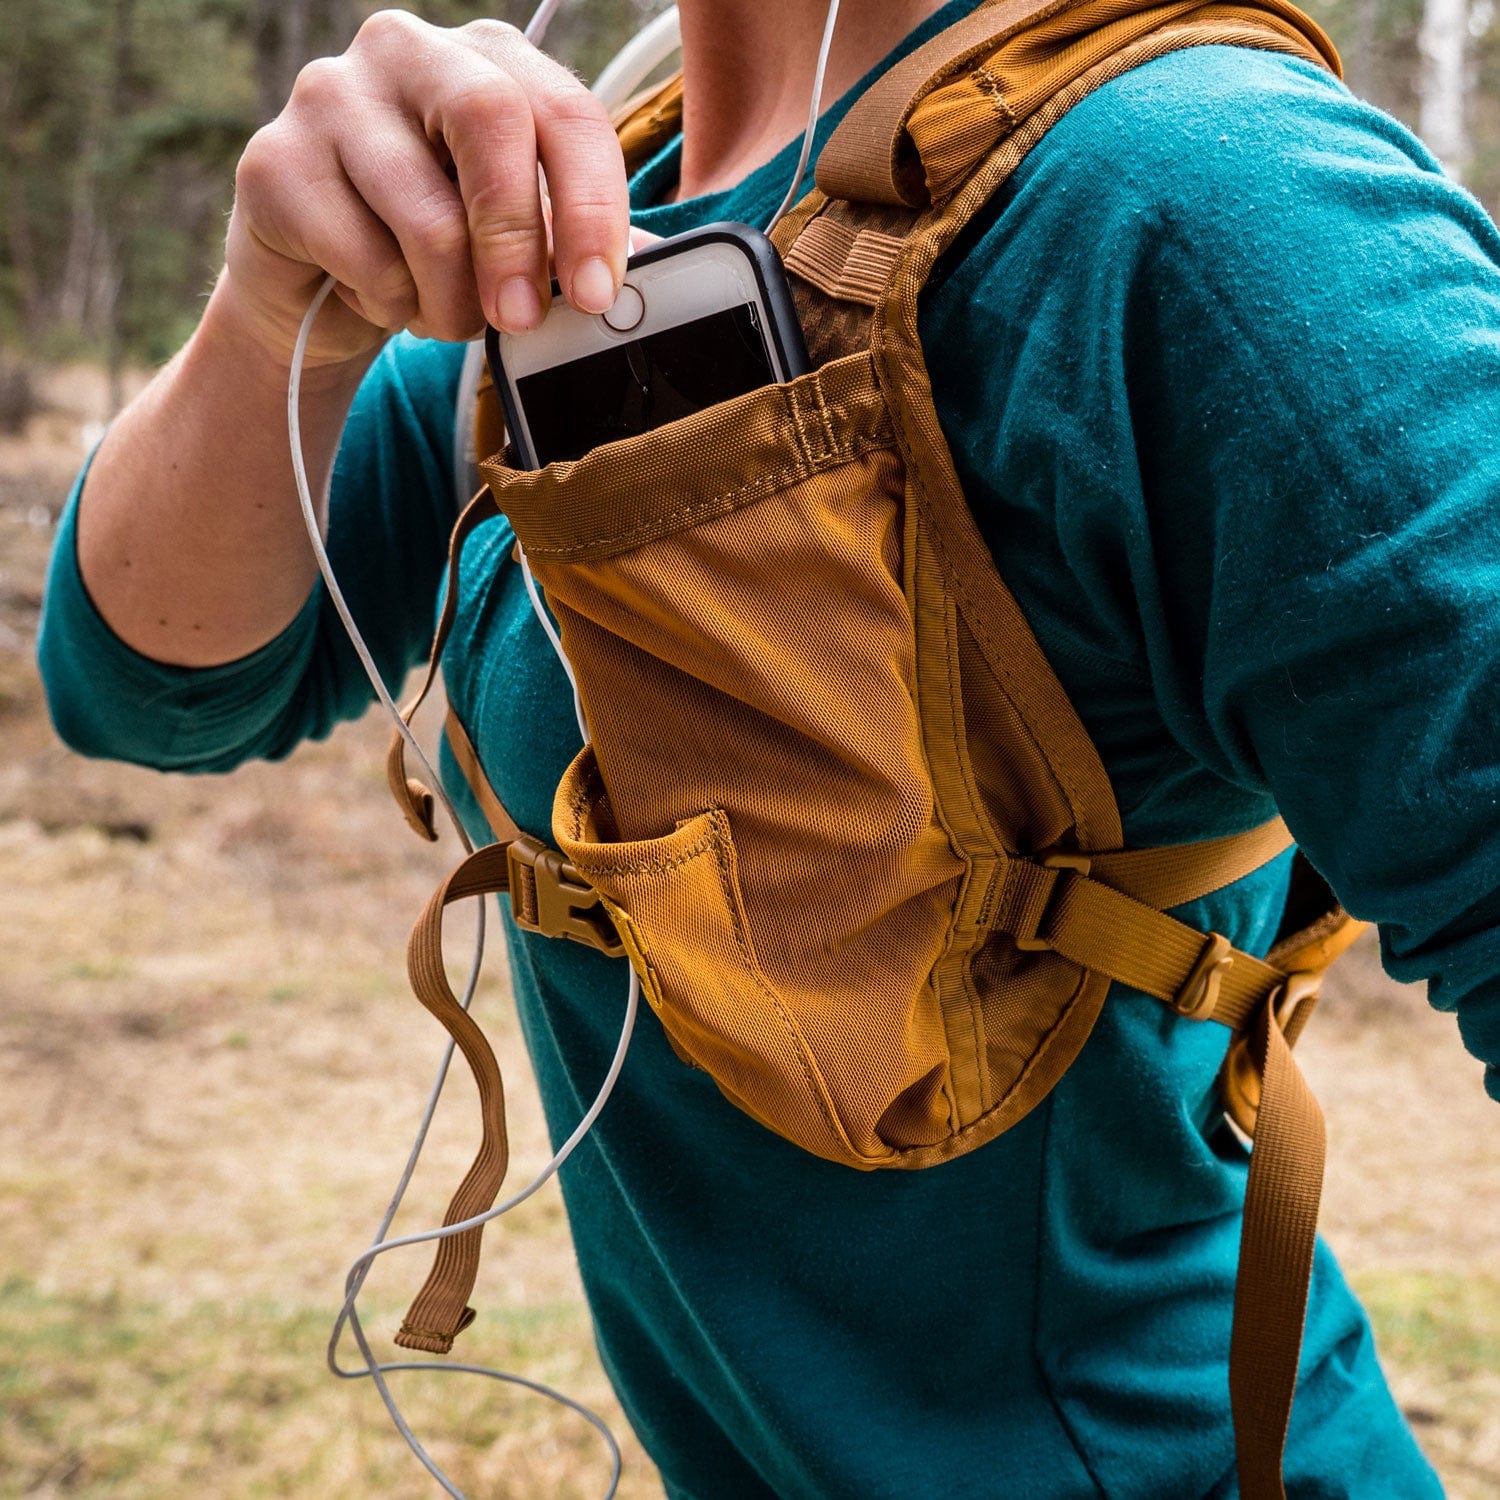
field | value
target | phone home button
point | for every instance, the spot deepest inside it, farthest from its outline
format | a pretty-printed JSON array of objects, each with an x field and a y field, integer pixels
[{"x": 629, "y": 309}]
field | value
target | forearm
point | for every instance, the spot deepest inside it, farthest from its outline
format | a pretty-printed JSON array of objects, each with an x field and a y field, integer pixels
[{"x": 190, "y": 537}]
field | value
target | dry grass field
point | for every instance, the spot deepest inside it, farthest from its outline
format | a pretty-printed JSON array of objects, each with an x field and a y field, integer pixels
[{"x": 210, "y": 1068}]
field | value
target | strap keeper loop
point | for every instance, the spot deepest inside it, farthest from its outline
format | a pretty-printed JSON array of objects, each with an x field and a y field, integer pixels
[
  {"x": 1040, "y": 899},
  {"x": 1200, "y": 990}
]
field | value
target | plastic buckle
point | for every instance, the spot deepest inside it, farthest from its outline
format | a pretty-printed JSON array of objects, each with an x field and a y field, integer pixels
[
  {"x": 1081, "y": 864},
  {"x": 1200, "y": 990},
  {"x": 549, "y": 896}
]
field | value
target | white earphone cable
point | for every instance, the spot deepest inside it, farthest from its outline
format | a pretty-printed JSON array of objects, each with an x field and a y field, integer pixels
[
  {"x": 348, "y": 1315},
  {"x": 814, "y": 109}
]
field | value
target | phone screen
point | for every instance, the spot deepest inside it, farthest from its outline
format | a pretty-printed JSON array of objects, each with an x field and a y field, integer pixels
[{"x": 643, "y": 383}]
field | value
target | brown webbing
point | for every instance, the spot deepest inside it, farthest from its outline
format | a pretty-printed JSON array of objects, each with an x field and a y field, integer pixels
[
  {"x": 1108, "y": 932},
  {"x": 414, "y": 799},
  {"x": 502, "y": 825},
  {"x": 440, "y": 1310},
  {"x": 1276, "y": 1255},
  {"x": 1174, "y": 874},
  {"x": 851, "y": 265},
  {"x": 867, "y": 159}
]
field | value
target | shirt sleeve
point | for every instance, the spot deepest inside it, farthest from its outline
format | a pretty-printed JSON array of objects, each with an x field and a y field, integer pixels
[
  {"x": 1307, "y": 379},
  {"x": 392, "y": 502}
]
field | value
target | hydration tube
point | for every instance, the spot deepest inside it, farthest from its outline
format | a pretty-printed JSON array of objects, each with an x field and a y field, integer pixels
[{"x": 640, "y": 57}]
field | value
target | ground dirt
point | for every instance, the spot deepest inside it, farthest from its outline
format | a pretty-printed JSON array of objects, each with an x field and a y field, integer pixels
[{"x": 210, "y": 1068}]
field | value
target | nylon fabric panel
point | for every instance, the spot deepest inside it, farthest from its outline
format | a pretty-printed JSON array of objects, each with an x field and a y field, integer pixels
[
  {"x": 757, "y": 798},
  {"x": 624, "y": 494},
  {"x": 954, "y": 126}
]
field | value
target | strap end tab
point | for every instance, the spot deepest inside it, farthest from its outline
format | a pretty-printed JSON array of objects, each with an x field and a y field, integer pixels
[{"x": 430, "y": 1340}]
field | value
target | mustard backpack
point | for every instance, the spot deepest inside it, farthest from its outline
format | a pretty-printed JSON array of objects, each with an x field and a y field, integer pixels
[{"x": 849, "y": 830}]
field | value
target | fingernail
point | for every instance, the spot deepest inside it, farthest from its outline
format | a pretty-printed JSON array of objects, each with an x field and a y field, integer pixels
[
  {"x": 593, "y": 286},
  {"x": 519, "y": 305}
]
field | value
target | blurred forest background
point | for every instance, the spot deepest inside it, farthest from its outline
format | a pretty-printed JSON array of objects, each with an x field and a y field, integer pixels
[
  {"x": 120, "y": 125},
  {"x": 121, "y": 121},
  {"x": 210, "y": 1065}
]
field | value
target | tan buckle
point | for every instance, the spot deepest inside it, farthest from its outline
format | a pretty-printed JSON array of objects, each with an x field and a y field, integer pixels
[
  {"x": 549, "y": 896},
  {"x": 1200, "y": 990},
  {"x": 1059, "y": 861}
]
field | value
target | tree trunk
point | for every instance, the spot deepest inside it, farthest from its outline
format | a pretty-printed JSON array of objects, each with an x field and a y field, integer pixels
[
  {"x": 83, "y": 235},
  {"x": 1444, "y": 84},
  {"x": 20, "y": 242}
]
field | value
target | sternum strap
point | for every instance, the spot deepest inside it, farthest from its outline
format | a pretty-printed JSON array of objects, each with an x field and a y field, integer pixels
[
  {"x": 1107, "y": 932},
  {"x": 1104, "y": 912}
]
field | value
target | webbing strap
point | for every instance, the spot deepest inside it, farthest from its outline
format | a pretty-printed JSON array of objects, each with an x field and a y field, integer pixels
[
  {"x": 440, "y": 1310},
  {"x": 414, "y": 799},
  {"x": 1277, "y": 1242},
  {"x": 1103, "y": 912},
  {"x": 1108, "y": 932},
  {"x": 1063, "y": 904},
  {"x": 502, "y": 825},
  {"x": 851, "y": 264},
  {"x": 867, "y": 158},
  {"x": 1174, "y": 874}
]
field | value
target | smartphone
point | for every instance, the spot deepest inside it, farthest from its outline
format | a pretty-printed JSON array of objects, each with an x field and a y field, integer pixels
[{"x": 701, "y": 317}]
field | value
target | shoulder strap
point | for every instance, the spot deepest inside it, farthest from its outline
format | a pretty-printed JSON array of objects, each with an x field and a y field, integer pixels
[
  {"x": 936, "y": 138},
  {"x": 867, "y": 158},
  {"x": 648, "y": 122},
  {"x": 886, "y": 148}
]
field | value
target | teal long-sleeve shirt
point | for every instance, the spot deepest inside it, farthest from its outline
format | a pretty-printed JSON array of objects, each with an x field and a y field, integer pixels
[{"x": 1221, "y": 375}]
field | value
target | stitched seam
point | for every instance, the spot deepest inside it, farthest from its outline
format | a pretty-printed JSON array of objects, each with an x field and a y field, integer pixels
[
  {"x": 656, "y": 866},
  {"x": 990, "y": 86},
  {"x": 794, "y": 407},
  {"x": 976, "y": 622},
  {"x": 752, "y": 968},
  {"x": 894, "y": 308},
  {"x": 914, "y": 470},
  {"x": 830, "y": 441},
  {"x": 429, "y": 1333},
  {"x": 777, "y": 479},
  {"x": 965, "y": 968}
]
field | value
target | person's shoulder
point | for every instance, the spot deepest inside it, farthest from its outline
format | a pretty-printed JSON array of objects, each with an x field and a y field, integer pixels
[{"x": 1200, "y": 135}]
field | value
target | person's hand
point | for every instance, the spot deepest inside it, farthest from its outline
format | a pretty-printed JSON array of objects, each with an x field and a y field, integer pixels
[{"x": 407, "y": 168}]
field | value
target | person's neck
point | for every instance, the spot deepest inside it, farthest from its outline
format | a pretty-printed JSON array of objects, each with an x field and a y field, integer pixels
[{"x": 748, "y": 67}]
